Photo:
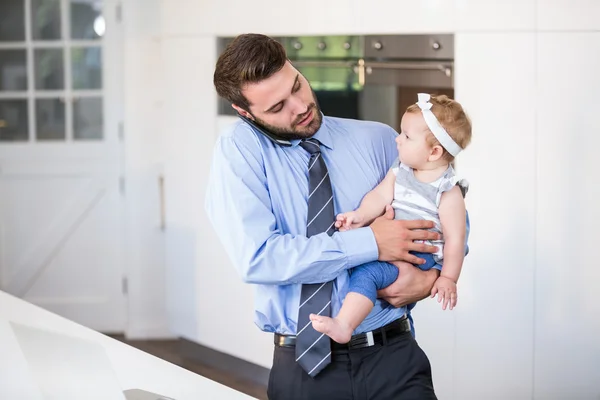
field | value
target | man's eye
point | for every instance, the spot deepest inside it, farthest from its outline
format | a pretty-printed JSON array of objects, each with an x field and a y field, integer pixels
[{"x": 277, "y": 109}]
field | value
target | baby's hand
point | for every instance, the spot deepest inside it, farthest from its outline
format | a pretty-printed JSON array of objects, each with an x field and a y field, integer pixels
[
  {"x": 445, "y": 288},
  {"x": 349, "y": 220}
]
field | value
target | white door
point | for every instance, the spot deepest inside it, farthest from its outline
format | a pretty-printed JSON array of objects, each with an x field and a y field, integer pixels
[{"x": 62, "y": 206}]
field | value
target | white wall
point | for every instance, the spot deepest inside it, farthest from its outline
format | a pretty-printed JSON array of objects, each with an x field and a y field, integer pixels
[{"x": 527, "y": 323}]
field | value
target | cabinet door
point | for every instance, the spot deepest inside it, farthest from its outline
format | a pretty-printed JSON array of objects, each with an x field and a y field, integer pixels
[
  {"x": 495, "y": 82},
  {"x": 567, "y": 310},
  {"x": 568, "y": 15},
  {"x": 62, "y": 211}
]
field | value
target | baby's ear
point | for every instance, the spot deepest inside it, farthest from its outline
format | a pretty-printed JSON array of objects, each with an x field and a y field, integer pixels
[{"x": 437, "y": 152}]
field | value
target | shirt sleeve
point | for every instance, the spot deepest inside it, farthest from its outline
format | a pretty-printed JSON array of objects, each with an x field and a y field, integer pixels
[{"x": 239, "y": 207}]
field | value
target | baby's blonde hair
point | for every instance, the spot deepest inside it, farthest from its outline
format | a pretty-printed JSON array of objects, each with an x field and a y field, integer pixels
[{"x": 452, "y": 117}]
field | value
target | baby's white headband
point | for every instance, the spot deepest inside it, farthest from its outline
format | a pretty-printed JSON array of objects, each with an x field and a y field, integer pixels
[{"x": 436, "y": 128}]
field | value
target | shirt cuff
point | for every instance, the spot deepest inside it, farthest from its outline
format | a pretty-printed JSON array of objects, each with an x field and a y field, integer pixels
[{"x": 359, "y": 246}]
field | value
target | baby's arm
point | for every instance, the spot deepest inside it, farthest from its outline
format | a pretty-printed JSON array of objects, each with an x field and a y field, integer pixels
[
  {"x": 371, "y": 206},
  {"x": 453, "y": 219},
  {"x": 374, "y": 202}
]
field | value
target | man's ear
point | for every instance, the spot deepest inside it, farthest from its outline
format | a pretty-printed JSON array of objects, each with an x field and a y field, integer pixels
[
  {"x": 437, "y": 152},
  {"x": 242, "y": 112}
]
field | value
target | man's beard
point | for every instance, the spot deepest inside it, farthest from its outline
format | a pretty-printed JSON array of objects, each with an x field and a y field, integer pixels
[{"x": 295, "y": 132}]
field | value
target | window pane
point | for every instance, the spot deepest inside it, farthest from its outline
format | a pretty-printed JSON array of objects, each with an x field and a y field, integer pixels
[
  {"x": 13, "y": 70},
  {"x": 12, "y": 20},
  {"x": 13, "y": 120},
  {"x": 86, "y": 19},
  {"x": 50, "y": 119},
  {"x": 87, "y": 67},
  {"x": 45, "y": 20},
  {"x": 49, "y": 71},
  {"x": 87, "y": 119}
]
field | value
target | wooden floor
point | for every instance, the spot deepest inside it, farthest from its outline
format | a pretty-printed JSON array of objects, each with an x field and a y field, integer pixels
[{"x": 169, "y": 350}]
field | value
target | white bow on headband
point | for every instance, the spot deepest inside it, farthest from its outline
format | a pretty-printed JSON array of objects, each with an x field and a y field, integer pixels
[{"x": 435, "y": 127}]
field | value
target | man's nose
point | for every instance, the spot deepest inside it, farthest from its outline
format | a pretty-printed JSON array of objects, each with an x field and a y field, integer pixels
[{"x": 298, "y": 106}]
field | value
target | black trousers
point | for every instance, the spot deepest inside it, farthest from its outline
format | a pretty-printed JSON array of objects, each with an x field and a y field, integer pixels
[{"x": 397, "y": 370}]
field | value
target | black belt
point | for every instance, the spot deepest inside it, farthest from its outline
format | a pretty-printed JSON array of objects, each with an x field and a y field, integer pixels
[{"x": 367, "y": 339}]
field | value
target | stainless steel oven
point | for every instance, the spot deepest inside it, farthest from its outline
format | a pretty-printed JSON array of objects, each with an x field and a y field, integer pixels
[{"x": 372, "y": 77}]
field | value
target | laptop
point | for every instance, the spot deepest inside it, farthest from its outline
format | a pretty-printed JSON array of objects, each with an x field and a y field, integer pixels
[{"x": 71, "y": 368}]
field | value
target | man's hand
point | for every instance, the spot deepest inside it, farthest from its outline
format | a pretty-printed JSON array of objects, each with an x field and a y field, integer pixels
[
  {"x": 395, "y": 238},
  {"x": 411, "y": 286}
]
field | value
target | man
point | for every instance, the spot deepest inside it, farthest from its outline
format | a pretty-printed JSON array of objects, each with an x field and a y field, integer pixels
[{"x": 278, "y": 178}]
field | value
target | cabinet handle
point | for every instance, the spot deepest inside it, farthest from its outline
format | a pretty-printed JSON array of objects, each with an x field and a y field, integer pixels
[{"x": 161, "y": 193}]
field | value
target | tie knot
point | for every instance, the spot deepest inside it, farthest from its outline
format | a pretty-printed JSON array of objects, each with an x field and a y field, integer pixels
[{"x": 311, "y": 145}]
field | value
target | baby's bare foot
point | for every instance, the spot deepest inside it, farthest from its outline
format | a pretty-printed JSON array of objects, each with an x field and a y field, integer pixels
[{"x": 332, "y": 327}]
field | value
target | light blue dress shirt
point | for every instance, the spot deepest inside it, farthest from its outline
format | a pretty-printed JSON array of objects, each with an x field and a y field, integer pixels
[{"x": 257, "y": 203}]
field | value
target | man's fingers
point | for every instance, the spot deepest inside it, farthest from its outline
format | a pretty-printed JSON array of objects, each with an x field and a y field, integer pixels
[
  {"x": 422, "y": 248},
  {"x": 418, "y": 224},
  {"x": 420, "y": 234},
  {"x": 412, "y": 259}
]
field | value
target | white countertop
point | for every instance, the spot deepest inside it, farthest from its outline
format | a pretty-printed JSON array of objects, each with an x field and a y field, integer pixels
[{"x": 45, "y": 356}]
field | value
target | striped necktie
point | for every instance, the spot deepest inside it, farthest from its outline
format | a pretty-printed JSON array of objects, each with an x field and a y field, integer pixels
[{"x": 313, "y": 349}]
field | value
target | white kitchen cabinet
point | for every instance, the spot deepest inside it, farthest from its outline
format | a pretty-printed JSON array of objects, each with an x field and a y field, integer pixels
[
  {"x": 188, "y": 17},
  {"x": 495, "y": 82},
  {"x": 317, "y": 17},
  {"x": 568, "y": 15},
  {"x": 495, "y": 16},
  {"x": 442, "y": 16},
  {"x": 567, "y": 311}
]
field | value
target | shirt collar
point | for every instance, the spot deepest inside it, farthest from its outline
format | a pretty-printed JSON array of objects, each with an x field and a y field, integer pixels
[{"x": 323, "y": 135}]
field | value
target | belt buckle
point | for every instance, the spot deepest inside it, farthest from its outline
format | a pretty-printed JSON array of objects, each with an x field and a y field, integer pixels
[
  {"x": 370, "y": 339},
  {"x": 365, "y": 339}
]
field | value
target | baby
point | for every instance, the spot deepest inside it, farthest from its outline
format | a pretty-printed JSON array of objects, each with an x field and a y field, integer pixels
[{"x": 420, "y": 185}]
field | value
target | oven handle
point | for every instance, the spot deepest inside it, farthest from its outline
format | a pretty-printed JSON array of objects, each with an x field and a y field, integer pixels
[
  {"x": 325, "y": 64},
  {"x": 361, "y": 66},
  {"x": 446, "y": 68}
]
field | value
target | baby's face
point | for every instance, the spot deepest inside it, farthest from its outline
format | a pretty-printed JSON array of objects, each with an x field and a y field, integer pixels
[{"x": 412, "y": 145}]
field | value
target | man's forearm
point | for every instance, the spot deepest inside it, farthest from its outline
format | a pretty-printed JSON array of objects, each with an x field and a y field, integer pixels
[
  {"x": 285, "y": 259},
  {"x": 249, "y": 231}
]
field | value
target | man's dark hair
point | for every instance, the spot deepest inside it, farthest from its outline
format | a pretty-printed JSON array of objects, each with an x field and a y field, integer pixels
[{"x": 249, "y": 58}]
